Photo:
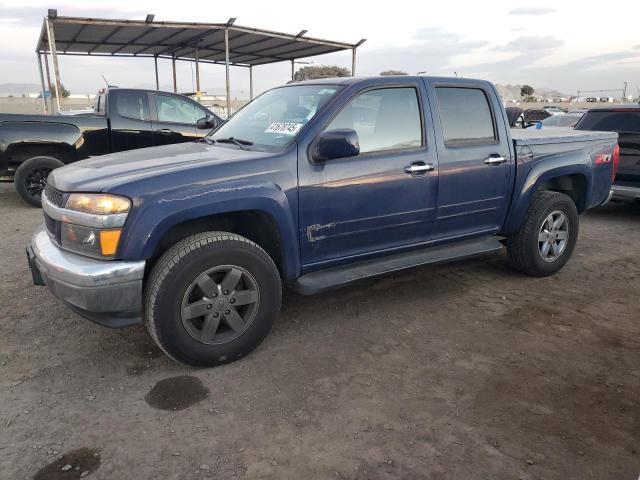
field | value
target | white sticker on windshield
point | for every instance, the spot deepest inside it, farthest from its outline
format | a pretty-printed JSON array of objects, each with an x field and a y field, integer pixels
[{"x": 285, "y": 128}]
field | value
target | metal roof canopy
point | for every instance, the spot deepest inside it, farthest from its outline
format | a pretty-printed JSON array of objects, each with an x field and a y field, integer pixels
[{"x": 214, "y": 43}]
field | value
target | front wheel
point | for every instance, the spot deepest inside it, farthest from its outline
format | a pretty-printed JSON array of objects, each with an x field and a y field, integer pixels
[
  {"x": 212, "y": 298},
  {"x": 547, "y": 236}
]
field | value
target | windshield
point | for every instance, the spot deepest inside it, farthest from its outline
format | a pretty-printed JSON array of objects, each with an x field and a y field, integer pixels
[{"x": 274, "y": 119}]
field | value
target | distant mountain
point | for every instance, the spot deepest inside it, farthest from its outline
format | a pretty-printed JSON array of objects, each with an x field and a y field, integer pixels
[
  {"x": 512, "y": 92},
  {"x": 19, "y": 88}
]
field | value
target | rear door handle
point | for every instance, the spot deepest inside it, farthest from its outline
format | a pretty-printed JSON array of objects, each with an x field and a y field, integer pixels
[
  {"x": 166, "y": 131},
  {"x": 495, "y": 159},
  {"x": 417, "y": 168}
]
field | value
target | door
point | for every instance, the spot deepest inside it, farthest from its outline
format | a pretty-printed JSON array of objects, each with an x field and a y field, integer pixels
[
  {"x": 176, "y": 119},
  {"x": 475, "y": 162},
  {"x": 129, "y": 120},
  {"x": 384, "y": 197}
]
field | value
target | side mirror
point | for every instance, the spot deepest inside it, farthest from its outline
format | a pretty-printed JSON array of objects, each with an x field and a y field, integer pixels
[
  {"x": 205, "y": 122},
  {"x": 336, "y": 144}
]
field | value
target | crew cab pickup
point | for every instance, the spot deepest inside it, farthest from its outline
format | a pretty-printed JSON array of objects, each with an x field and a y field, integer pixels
[
  {"x": 314, "y": 185},
  {"x": 123, "y": 119}
]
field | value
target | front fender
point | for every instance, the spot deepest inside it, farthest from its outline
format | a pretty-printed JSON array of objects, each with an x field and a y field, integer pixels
[{"x": 151, "y": 219}]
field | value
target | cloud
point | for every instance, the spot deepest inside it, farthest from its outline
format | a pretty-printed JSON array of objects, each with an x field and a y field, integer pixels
[
  {"x": 636, "y": 47},
  {"x": 531, "y": 11},
  {"x": 527, "y": 43},
  {"x": 433, "y": 50},
  {"x": 27, "y": 15},
  {"x": 596, "y": 61}
]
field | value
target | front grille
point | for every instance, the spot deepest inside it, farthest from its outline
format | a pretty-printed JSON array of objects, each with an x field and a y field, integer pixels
[
  {"x": 54, "y": 227},
  {"x": 55, "y": 196}
]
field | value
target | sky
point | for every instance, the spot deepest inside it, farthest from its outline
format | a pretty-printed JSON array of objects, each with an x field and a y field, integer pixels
[{"x": 566, "y": 46}]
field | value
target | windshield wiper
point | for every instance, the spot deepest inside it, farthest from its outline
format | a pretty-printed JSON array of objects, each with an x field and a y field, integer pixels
[
  {"x": 236, "y": 141},
  {"x": 207, "y": 140}
]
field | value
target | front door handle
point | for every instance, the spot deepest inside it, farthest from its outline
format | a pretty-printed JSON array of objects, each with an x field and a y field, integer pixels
[
  {"x": 495, "y": 159},
  {"x": 166, "y": 131},
  {"x": 417, "y": 168}
]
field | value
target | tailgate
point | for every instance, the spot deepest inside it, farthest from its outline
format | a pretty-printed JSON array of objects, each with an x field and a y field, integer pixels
[{"x": 629, "y": 168}]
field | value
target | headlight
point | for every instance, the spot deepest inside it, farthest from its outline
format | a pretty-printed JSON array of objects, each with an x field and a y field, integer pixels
[
  {"x": 93, "y": 242},
  {"x": 98, "y": 203},
  {"x": 89, "y": 238}
]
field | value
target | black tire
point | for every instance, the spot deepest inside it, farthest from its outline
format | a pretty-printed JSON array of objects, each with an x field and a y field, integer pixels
[
  {"x": 524, "y": 246},
  {"x": 30, "y": 178},
  {"x": 173, "y": 277}
]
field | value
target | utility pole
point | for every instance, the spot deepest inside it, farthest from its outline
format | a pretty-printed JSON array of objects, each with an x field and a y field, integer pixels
[{"x": 624, "y": 92}]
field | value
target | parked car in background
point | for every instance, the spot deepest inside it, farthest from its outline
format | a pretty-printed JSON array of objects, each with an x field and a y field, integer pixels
[
  {"x": 31, "y": 146},
  {"x": 625, "y": 121},
  {"x": 554, "y": 110},
  {"x": 567, "y": 120},
  {"x": 314, "y": 184},
  {"x": 519, "y": 118}
]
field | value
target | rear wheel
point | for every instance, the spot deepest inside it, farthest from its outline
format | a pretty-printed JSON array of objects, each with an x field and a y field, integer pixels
[
  {"x": 547, "y": 236},
  {"x": 31, "y": 178},
  {"x": 212, "y": 298}
]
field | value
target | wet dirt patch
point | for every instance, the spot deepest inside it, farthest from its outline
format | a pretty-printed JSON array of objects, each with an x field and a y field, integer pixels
[
  {"x": 71, "y": 466},
  {"x": 176, "y": 393}
]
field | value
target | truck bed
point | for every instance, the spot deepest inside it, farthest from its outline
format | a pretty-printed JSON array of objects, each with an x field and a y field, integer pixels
[
  {"x": 532, "y": 136},
  {"x": 90, "y": 122}
]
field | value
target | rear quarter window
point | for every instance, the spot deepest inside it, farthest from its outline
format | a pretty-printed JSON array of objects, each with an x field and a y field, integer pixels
[
  {"x": 465, "y": 116},
  {"x": 619, "y": 121},
  {"x": 133, "y": 105}
]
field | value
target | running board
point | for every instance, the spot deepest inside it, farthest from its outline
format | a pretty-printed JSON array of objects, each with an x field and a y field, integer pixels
[{"x": 320, "y": 280}]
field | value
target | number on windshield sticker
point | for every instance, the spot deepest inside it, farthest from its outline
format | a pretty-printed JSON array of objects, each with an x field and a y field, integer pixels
[{"x": 285, "y": 128}]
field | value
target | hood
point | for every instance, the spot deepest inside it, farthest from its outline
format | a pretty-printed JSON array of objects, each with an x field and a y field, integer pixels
[{"x": 109, "y": 171}]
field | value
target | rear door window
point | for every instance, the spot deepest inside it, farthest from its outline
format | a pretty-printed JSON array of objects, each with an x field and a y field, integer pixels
[
  {"x": 465, "y": 116},
  {"x": 133, "y": 105}
]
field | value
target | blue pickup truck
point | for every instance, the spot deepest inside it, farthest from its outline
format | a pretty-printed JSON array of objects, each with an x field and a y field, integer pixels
[{"x": 312, "y": 185}]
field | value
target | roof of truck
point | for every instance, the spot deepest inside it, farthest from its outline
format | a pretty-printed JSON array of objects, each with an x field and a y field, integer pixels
[{"x": 362, "y": 79}]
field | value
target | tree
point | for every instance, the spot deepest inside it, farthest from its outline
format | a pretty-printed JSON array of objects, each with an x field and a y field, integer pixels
[
  {"x": 526, "y": 91},
  {"x": 393, "y": 72},
  {"x": 320, "y": 71},
  {"x": 65, "y": 93}
]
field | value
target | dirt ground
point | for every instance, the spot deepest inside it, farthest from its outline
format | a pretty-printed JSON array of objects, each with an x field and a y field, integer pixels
[{"x": 461, "y": 371}]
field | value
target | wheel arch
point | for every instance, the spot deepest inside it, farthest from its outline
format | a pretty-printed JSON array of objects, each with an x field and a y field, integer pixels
[
  {"x": 256, "y": 225},
  {"x": 572, "y": 180}
]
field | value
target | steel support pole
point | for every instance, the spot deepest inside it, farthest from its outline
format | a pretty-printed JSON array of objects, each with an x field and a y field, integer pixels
[
  {"x": 175, "y": 79},
  {"x": 54, "y": 57},
  {"x": 226, "y": 66},
  {"x": 46, "y": 66},
  {"x": 293, "y": 69},
  {"x": 353, "y": 62},
  {"x": 250, "y": 82},
  {"x": 44, "y": 100},
  {"x": 197, "y": 72},
  {"x": 155, "y": 61}
]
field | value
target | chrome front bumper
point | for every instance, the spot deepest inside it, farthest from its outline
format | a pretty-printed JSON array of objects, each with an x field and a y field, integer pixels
[{"x": 107, "y": 292}]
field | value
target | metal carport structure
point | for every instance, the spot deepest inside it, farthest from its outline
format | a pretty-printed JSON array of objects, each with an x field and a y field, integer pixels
[{"x": 225, "y": 44}]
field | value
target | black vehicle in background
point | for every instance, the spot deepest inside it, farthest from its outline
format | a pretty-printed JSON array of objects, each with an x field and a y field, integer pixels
[
  {"x": 625, "y": 120},
  {"x": 519, "y": 118},
  {"x": 31, "y": 146}
]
